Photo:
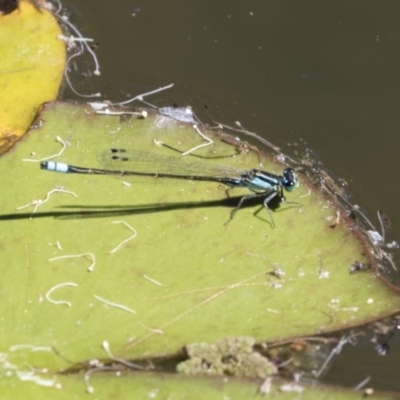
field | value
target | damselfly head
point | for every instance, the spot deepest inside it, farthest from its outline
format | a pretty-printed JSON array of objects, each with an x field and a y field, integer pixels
[{"x": 290, "y": 180}]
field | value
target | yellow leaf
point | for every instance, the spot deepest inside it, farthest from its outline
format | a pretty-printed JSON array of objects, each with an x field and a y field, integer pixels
[{"x": 31, "y": 68}]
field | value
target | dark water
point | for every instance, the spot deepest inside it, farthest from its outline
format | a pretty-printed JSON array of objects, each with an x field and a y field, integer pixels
[{"x": 322, "y": 73}]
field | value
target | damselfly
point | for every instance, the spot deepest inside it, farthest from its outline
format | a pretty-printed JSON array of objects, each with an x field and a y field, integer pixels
[{"x": 123, "y": 162}]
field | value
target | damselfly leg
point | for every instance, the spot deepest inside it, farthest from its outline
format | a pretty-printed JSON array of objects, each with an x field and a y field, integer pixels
[{"x": 268, "y": 197}]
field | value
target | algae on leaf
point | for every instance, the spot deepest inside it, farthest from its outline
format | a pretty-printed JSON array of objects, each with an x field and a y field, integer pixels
[{"x": 230, "y": 356}]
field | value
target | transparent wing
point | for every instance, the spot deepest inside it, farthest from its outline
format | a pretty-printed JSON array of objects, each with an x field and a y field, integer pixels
[{"x": 140, "y": 161}]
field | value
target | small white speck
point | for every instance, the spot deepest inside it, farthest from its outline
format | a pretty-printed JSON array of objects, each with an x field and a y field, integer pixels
[
  {"x": 323, "y": 274},
  {"x": 370, "y": 301},
  {"x": 276, "y": 285},
  {"x": 153, "y": 393},
  {"x": 376, "y": 238},
  {"x": 301, "y": 272}
]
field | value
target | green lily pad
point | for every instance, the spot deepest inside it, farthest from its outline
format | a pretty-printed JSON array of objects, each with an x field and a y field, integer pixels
[
  {"x": 150, "y": 385},
  {"x": 184, "y": 276}
]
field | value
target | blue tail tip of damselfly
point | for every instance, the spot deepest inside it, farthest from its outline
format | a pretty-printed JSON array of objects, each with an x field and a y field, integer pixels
[
  {"x": 289, "y": 180},
  {"x": 55, "y": 166}
]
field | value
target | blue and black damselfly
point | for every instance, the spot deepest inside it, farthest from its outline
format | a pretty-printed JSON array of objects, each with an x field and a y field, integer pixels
[{"x": 134, "y": 163}]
